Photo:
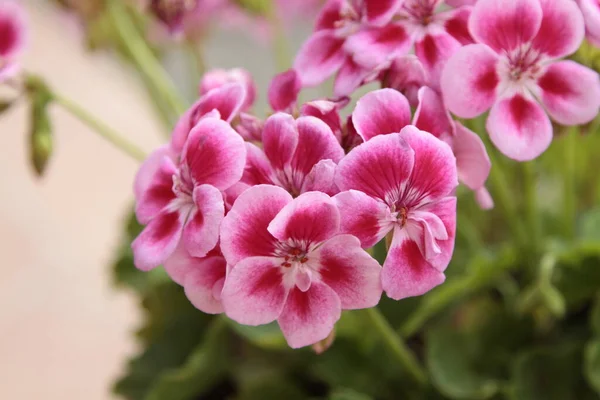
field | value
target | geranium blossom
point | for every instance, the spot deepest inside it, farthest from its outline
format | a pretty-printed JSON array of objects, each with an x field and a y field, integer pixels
[
  {"x": 591, "y": 15},
  {"x": 217, "y": 78},
  {"x": 514, "y": 66},
  {"x": 13, "y": 33},
  {"x": 180, "y": 198},
  {"x": 402, "y": 184},
  {"x": 291, "y": 264}
]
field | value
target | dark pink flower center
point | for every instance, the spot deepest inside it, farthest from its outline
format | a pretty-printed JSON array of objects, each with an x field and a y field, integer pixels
[
  {"x": 293, "y": 253},
  {"x": 421, "y": 11},
  {"x": 523, "y": 63}
]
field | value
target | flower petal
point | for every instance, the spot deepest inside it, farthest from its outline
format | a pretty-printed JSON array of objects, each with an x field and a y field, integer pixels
[
  {"x": 379, "y": 167},
  {"x": 381, "y": 112},
  {"x": 562, "y": 29},
  {"x": 445, "y": 210},
  {"x": 244, "y": 229},
  {"x": 505, "y": 25},
  {"x": 157, "y": 241},
  {"x": 406, "y": 75},
  {"x": 364, "y": 217},
  {"x": 591, "y": 15},
  {"x": 254, "y": 293},
  {"x": 570, "y": 92},
  {"x": 319, "y": 58},
  {"x": 469, "y": 81},
  {"x": 309, "y": 317},
  {"x": 372, "y": 46},
  {"x": 484, "y": 198},
  {"x": 519, "y": 128},
  {"x": 321, "y": 178},
  {"x": 434, "y": 52},
  {"x": 330, "y": 13},
  {"x": 472, "y": 161},
  {"x": 349, "y": 78},
  {"x": 158, "y": 193},
  {"x": 431, "y": 114},
  {"x": 215, "y": 154},
  {"x": 250, "y": 127},
  {"x": 283, "y": 90},
  {"x": 280, "y": 139},
  {"x": 217, "y": 78},
  {"x": 327, "y": 111},
  {"x": 258, "y": 169},
  {"x": 350, "y": 271},
  {"x": 457, "y": 24},
  {"x": 201, "y": 231},
  {"x": 310, "y": 218},
  {"x": 145, "y": 174},
  {"x": 434, "y": 172},
  {"x": 13, "y": 30},
  {"x": 200, "y": 282},
  {"x": 380, "y": 12}
]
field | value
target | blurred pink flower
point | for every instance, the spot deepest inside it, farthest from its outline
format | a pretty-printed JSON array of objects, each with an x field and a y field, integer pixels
[
  {"x": 591, "y": 16},
  {"x": 13, "y": 36},
  {"x": 217, "y": 78}
]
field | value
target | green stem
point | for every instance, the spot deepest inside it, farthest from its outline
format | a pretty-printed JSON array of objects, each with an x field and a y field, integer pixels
[
  {"x": 530, "y": 186},
  {"x": 569, "y": 184},
  {"x": 397, "y": 347},
  {"x": 100, "y": 127},
  {"x": 143, "y": 57}
]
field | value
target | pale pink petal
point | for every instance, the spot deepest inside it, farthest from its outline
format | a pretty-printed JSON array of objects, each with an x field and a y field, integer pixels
[
  {"x": 309, "y": 317},
  {"x": 158, "y": 193},
  {"x": 591, "y": 14},
  {"x": 406, "y": 75},
  {"x": 519, "y": 128},
  {"x": 280, "y": 139},
  {"x": 431, "y": 114},
  {"x": 379, "y": 167},
  {"x": 215, "y": 154},
  {"x": 254, "y": 293},
  {"x": 244, "y": 229},
  {"x": 570, "y": 92},
  {"x": 327, "y": 111},
  {"x": 380, "y": 12},
  {"x": 258, "y": 169},
  {"x": 472, "y": 161},
  {"x": 180, "y": 263},
  {"x": 405, "y": 272},
  {"x": 145, "y": 174},
  {"x": 372, "y": 46},
  {"x": 457, "y": 24},
  {"x": 330, "y": 13},
  {"x": 13, "y": 30},
  {"x": 484, "y": 198},
  {"x": 206, "y": 276},
  {"x": 283, "y": 90},
  {"x": 434, "y": 172},
  {"x": 434, "y": 51},
  {"x": 562, "y": 29},
  {"x": 363, "y": 216},
  {"x": 319, "y": 58},
  {"x": 157, "y": 241},
  {"x": 381, "y": 112},
  {"x": 321, "y": 178},
  {"x": 201, "y": 231},
  {"x": 505, "y": 25},
  {"x": 469, "y": 81},
  {"x": 349, "y": 78},
  {"x": 350, "y": 271},
  {"x": 311, "y": 218}
]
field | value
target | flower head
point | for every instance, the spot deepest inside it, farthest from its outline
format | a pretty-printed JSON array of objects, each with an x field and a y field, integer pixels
[
  {"x": 514, "y": 67},
  {"x": 13, "y": 33},
  {"x": 291, "y": 264}
]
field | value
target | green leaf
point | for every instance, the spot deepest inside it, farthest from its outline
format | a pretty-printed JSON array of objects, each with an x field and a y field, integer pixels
[
  {"x": 206, "y": 365},
  {"x": 453, "y": 373},
  {"x": 348, "y": 394},
  {"x": 577, "y": 275},
  {"x": 595, "y": 316},
  {"x": 267, "y": 336},
  {"x": 592, "y": 364}
]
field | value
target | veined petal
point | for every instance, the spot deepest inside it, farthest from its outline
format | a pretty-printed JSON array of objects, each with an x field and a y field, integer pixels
[
  {"x": 519, "y": 128},
  {"x": 434, "y": 51},
  {"x": 349, "y": 78},
  {"x": 244, "y": 229},
  {"x": 321, "y": 178},
  {"x": 258, "y": 169},
  {"x": 308, "y": 317},
  {"x": 431, "y": 114},
  {"x": 145, "y": 174},
  {"x": 201, "y": 231},
  {"x": 381, "y": 112},
  {"x": 380, "y": 12},
  {"x": 319, "y": 57},
  {"x": 327, "y": 111},
  {"x": 157, "y": 241},
  {"x": 205, "y": 280},
  {"x": 316, "y": 142},
  {"x": 350, "y": 271},
  {"x": 372, "y": 46},
  {"x": 469, "y": 81},
  {"x": 363, "y": 216},
  {"x": 505, "y": 25},
  {"x": 310, "y": 218},
  {"x": 283, "y": 90},
  {"x": 562, "y": 29},
  {"x": 457, "y": 24},
  {"x": 380, "y": 167},
  {"x": 215, "y": 154},
  {"x": 570, "y": 92},
  {"x": 434, "y": 172},
  {"x": 472, "y": 161},
  {"x": 180, "y": 262},
  {"x": 158, "y": 193},
  {"x": 254, "y": 293},
  {"x": 280, "y": 139}
]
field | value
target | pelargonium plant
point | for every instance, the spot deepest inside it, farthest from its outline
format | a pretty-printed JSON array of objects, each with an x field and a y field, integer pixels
[{"x": 428, "y": 227}]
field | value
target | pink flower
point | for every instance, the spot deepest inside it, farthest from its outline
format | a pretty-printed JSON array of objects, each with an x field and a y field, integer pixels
[
  {"x": 516, "y": 64},
  {"x": 180, "y": 198},
  {"x": 591, "y": 15},
  {"x": 407, "y": 75},
  {"x": 217, "y": 78},
  {"x": 291, "y": 264},
  {"x": 298, "y": 155},
  {"x": 387, "y": 111},
  {"x": 402, "y": 183},
  {"x": 352, "y": 39},
  {"x": 283, "y": 91},
  {"x": 13, "y": 35}
]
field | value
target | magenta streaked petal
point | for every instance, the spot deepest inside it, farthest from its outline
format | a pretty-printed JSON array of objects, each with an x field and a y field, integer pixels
[
  {"x": 204, "y": 282},
  {"x": 254, "y": 293},
  {"x": 372, "y": 46},
  {"x": 469, "y": 81},
  {"x": 321, "y": 178},
  {"x": 406, "y": 75},
  {"x": 472, "y": 161},
  {"x": 562, "y": 29},
  {"x": 327, "y": 111},
  {"x": 283, "y": 90},
  {"x": 280, "y": 139},
  {"x": 457, "y": 24},
  {"x": 380, "y": 12},
  {"x": 519, "y": 128},
  {"x": 145, "y": 174},
  {"x": 431, "y": 114},
  {"x": 180, "y": 262},
  {"x": 381, "y": 112},
  {"x": 201, "y": 231},
  {"x": 308, "y": 317},
  {"x": 316, "y": 142},
  {"x": 157, "y": 241},
  {"x": 258, "y": 170},
  {"x": 434, "y": 52},
  {"x": 310, "y": 218},
  {"x": 329, "y": 15},
  {"x": 505, "y": 25},
  {"x": 244, "y": 229},
  {"x": 570, "y": 92},
  {"x": 349, "y": 78},
  {"x": 319, "y": 58},
  {"x": 445, "y": 210},
  {"x": 158, "y": 193}
]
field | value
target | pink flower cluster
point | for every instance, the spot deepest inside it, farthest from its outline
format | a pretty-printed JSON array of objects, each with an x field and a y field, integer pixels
[{"x": 272, "y": 220}]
